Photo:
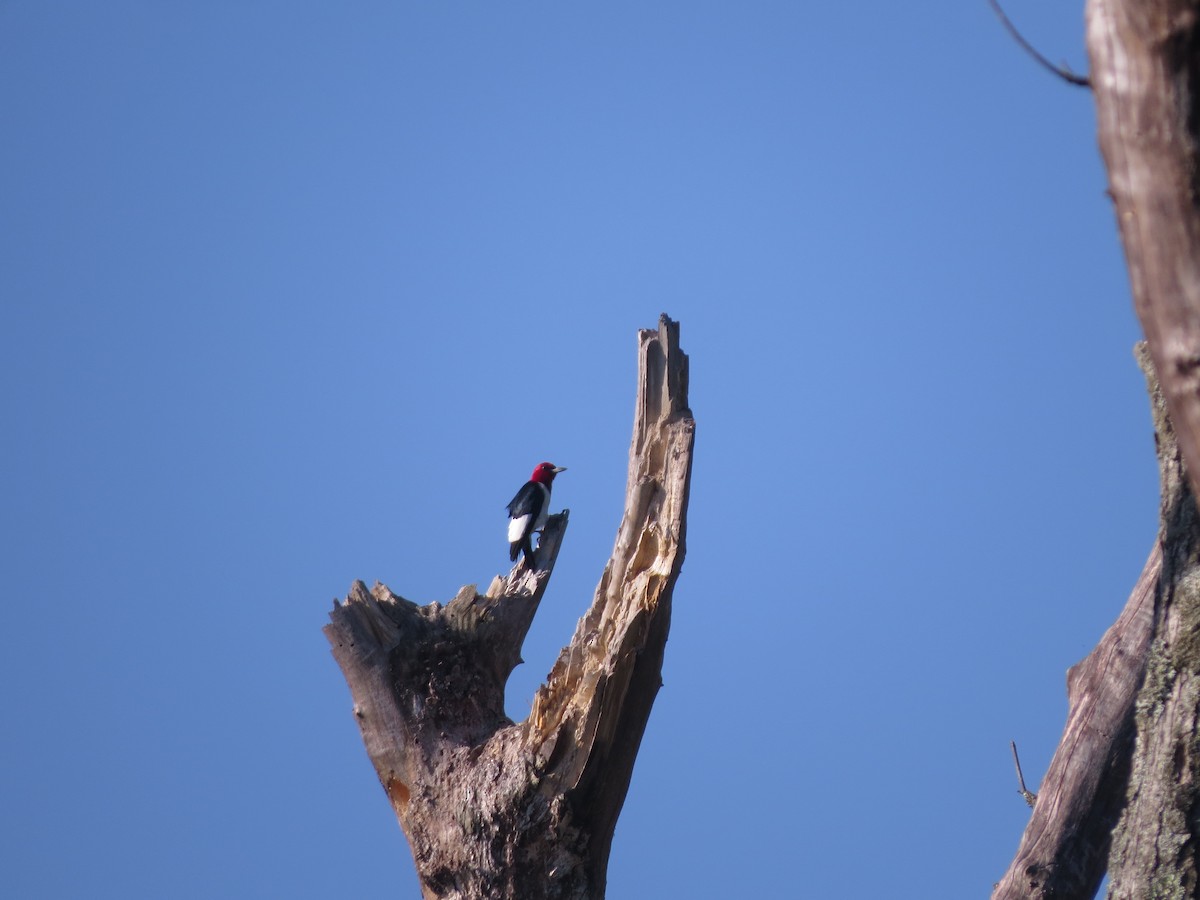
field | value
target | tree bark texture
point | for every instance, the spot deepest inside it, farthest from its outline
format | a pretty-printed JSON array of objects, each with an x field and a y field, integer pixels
[
  {"x": 1145, "y": 74},
  {"x": 497, "y": 810},
  {"x": 1155, "y": 845},
  {"x": 1065, "y": 848}
]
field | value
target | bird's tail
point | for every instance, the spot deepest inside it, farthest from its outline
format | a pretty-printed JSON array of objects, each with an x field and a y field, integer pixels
[{"x": 513, "y": 549}]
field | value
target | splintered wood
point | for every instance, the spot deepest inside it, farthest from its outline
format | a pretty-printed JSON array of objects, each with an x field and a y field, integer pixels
[{"x": 496, "y": 810}]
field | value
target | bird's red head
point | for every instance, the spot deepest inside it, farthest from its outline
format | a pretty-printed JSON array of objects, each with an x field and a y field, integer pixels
[{"x": 545, "y": 472}]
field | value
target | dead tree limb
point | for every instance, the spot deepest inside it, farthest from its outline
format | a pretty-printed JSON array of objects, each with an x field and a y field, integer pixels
[
  {"x": 496, "y": 810},
  {"x": 1145, "y": 73},
  {"x": 1156, "y": 844},
  {"x": 1064, "y": 850},
  {"x": 1064, "y": 72},
  {"x": 1027, "y": 795}
]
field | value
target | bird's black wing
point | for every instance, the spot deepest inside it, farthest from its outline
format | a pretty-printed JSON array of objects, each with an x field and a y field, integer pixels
[{"x": 527, "y": 502}]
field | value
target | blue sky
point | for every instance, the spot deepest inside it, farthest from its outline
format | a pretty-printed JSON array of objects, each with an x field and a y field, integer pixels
[{"x": 298, "y": 293}]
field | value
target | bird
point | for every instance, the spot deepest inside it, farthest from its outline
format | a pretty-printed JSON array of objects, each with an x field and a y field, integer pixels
[{"x": 528, "y": 511}]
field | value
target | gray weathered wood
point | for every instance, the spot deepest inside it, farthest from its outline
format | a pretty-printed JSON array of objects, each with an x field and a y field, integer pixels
[
  {"x": 1145, "y": 62},
  {"x": 1155, "y": 844},
  {"x": 1064, "y": 850},
  {"x": 497, "y": 810},
  {"x": 1145, "y": 75}
]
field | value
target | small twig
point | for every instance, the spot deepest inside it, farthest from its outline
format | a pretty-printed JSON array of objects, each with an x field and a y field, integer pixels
[
  {"x": 1063, "y": 71},
  {"x": 1029, "y": 796}
]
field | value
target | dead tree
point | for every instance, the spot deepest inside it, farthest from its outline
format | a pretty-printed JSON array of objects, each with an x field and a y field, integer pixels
[
  {"x": 497, "y": 810},
  {"x": 1130, "y": 754}
]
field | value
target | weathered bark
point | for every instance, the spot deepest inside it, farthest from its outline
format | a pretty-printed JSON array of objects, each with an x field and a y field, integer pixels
[
  {"x": 500, "y": 811},
  {"x": 1145, "y": 62},
  {"x": 1155, "y": 845},
  {"x": 1064, "y": 850},
  {"x": 1145, "y": 74}
]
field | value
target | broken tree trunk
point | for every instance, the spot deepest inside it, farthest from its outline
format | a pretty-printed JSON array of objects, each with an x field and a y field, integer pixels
[
  {"x": 1064, "y": 851},
  {"x": 500, "y": 811}
]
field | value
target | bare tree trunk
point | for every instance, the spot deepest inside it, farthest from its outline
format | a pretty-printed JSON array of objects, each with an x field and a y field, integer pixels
[
  {"x": 1155, "y": 844},
  {"x": 1145, "y": 63},
  {"x": 1064, "y": 850},
  {"x": 1145, "y": 73},
  {"x": 500, "y": 811}
]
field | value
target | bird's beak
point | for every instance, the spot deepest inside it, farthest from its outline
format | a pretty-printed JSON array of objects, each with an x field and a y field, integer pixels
[{"x": 558, "y": 469}]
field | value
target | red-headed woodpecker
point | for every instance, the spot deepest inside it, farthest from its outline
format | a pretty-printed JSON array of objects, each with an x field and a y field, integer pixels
[{"x": 528, "y": 511}]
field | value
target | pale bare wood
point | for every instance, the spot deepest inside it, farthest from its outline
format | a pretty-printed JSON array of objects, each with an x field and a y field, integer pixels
[
  {"x": 1145, "y": 63},
  {"x": 495, "y": 810},
  {"x": 587, "y": 720}
]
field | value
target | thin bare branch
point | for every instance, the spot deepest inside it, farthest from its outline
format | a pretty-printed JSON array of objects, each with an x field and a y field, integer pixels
[
  {"x": 1064, "y": 72},
  {"x": 1029, "y": 796}
]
